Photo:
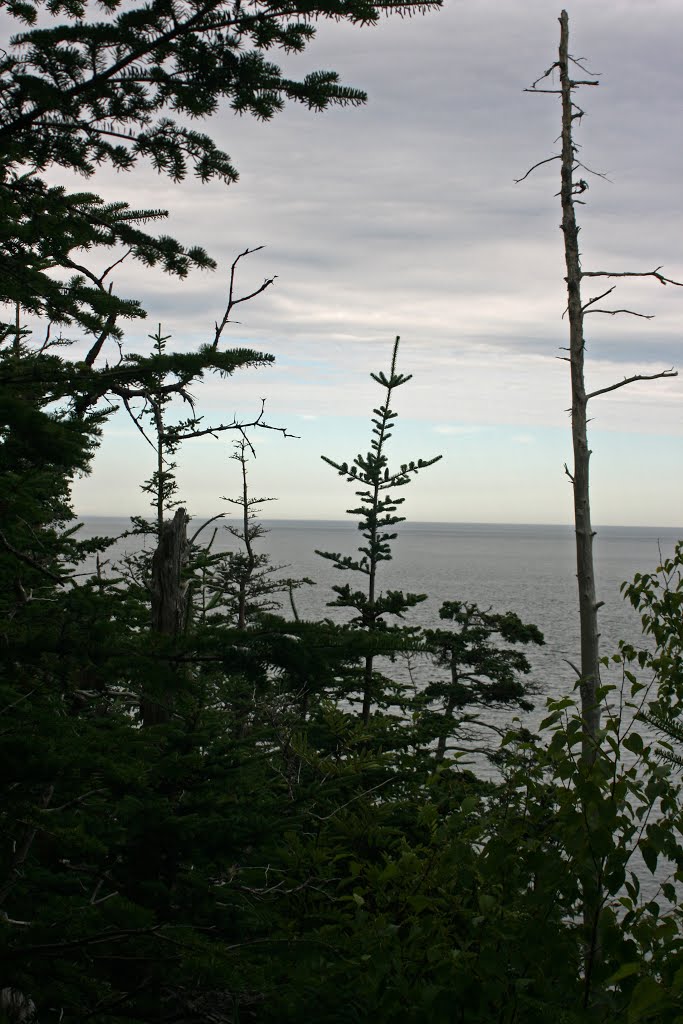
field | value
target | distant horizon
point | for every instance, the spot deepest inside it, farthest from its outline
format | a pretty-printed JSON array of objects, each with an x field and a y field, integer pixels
[{"x": 408, "y": 523}]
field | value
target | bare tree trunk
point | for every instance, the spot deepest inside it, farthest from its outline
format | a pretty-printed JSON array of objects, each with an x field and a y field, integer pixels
[
  {"x": 585, "y": 571},
  {"x": 580, "y": 478},
  {"x": 448, "y": 714},
  {"x": 169, "y": 600},
  {"x": 589, "y": 670}
]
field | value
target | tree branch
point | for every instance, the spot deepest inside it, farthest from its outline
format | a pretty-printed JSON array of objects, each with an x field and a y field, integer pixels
[
  {"x": 613, "y": 312},
  {"x": 539, "y": 164},
  {"x": 633, "y": 273},
  {"x": 28, "y": 560},
  {"x": 235, "y": 425},
  {"x": 631, "y": 380},
  {"x": 232, "y": 301}
]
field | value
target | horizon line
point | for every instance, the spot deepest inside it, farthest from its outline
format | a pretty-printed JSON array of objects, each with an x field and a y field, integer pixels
[{"x": 407, "y": 522}]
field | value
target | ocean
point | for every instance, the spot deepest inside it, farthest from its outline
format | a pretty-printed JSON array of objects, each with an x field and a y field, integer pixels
[{"x": 528, "y": 569}]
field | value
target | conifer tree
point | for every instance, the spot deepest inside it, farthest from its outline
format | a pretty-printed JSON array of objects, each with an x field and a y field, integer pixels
[
  {"x": 245, "y": 582},
  {"x": 85, "y": 85},
  {"x": 377, "y": 516},
  {"x": 484, "y": 669}
]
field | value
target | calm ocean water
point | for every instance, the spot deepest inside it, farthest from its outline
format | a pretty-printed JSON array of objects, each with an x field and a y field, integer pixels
[{"x": 526, "y": 569}]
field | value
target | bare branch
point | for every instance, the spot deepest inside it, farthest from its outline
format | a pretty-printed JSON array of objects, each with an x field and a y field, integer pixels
[
  {"x": 632, "y": 380},
  {"x": 55, "y": 948},
  {"x": 232, "y": 301},
  {"x": 633, "y": 273},
  {"x": 571, "y": 663},
  {"x": 220, "y": 515},
  {"x": 546, "y": 74},
  {"x": 138, "y": 424},
  {"x": 106, "y": 331},
  {"x": 596, "y": 298},
  {"x": 236, "y": 425},
  {"x": 580, "y": 63},
  {"x": 589, "y": 170},
  {"x": 539, "y": 164},
  {"x": 72, "y": 803},
  {"x": 613, "y": 312},
  {"x": 116, "y": 264}
]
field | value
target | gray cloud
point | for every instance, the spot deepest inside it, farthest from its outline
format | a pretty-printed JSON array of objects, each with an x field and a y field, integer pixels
[{"x": 403, "y": 218}]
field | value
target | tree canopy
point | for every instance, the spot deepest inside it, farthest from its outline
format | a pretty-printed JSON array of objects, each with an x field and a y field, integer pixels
[{"x": 84, "y": 85}]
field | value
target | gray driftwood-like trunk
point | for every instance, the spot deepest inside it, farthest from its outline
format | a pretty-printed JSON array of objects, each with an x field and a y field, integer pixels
[
  {"x": 169, "y": 602},
  {"x": 580, "y": 477},
  {"x": 572, "y": 187}
]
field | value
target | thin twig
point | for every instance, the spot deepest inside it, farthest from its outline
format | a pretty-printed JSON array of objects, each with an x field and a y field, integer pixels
[{"x": 539, "y": 164}]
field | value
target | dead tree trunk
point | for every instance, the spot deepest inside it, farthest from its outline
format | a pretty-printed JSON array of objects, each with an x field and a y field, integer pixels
[
  {"x": 577, "y": 309},
  {"x": 580, "y": 477},
  {"x": 169, "y": 603}
]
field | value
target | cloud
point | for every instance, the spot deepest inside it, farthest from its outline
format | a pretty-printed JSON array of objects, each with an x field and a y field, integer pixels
[{"x": 403, "y": 218}]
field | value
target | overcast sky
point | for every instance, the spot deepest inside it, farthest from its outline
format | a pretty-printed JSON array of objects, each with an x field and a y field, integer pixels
[{"x": 403, "y": 217}]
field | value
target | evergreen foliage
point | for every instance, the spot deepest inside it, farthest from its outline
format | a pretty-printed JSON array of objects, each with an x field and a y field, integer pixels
[
  {"x": 377, "y": 516},
  {"x": 90, "y": 84},
  {"x": 483, "y": 668},
  {"x": 244, "y": 582}
]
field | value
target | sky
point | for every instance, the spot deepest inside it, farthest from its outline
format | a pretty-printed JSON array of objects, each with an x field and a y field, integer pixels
[{"x": 403, "y": 218}]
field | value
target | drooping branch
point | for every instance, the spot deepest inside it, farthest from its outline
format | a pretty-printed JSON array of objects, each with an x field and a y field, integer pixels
[{"x": 548, "y": 160}]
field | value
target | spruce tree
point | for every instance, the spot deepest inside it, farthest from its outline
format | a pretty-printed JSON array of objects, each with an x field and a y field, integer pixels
[
  {"x": 484, "y": 669},
  {"x": 376, "y": 514}
]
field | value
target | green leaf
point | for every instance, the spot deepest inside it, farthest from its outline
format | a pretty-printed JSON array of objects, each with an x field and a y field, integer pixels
[
  {"x": 634, "y": 743},
  {"x": 648, "y": 997},
  {"x": 649, "y": 855},
  {"x": 625, "y": 971}
]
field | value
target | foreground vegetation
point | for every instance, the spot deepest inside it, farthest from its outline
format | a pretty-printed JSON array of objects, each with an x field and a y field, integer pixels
[{"x": 214, "y": 813}]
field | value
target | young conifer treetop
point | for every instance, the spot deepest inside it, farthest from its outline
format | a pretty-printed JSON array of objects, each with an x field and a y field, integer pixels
[{"x": 377, "y": 516}]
